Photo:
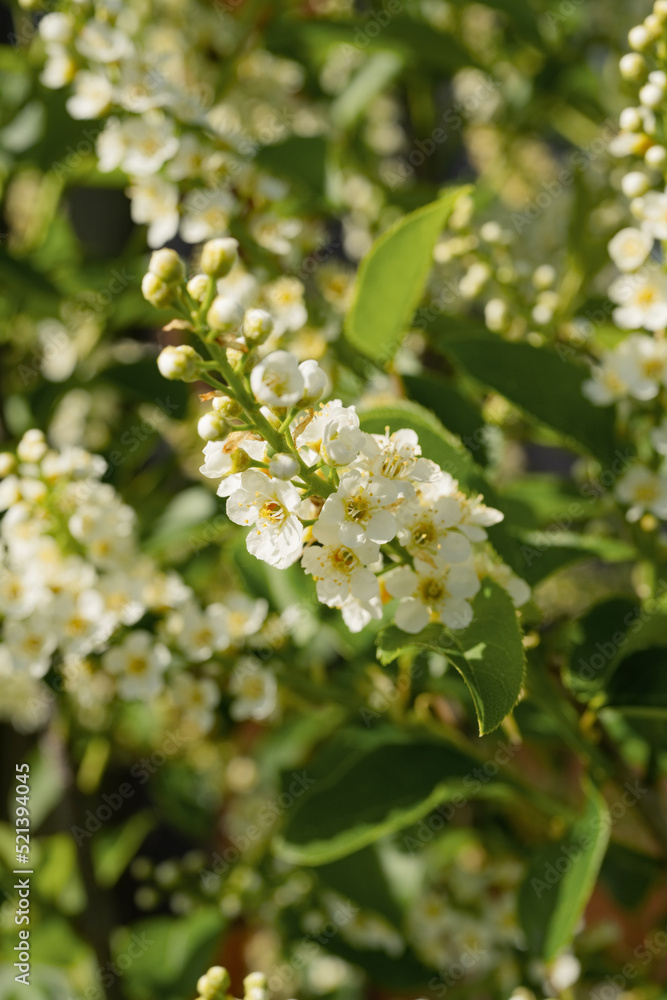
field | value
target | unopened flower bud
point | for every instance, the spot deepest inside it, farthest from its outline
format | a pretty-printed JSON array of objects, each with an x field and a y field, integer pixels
[
  {"x": 214, "y": 984},
  {"x": 632, "y": 66},
  {"x": 255, "y": 986},
  {"x": 315, "y": 382},
  {"x": 32, "y": 446},
  {"x": 656, "y": 157},
  {"x": 56, "y": 27},
  {"x": 634, "y": 184},
  {"x": 212, "y": 426},
  {"x": 496, "y": 315},
  {"x": 219, "y": 256},
  {"x": 180, "y": 363},
  {"x": 197, "y": 287},
  {"x": 156, "y": 291},
  {"x": 630, "y": 120},
  {"x": 226, "y": 406},
  {"x": 167, "y": 265},
  {"x": 660, "y": 10},
  {"x": 283, "y": 466},
  {"x": 257, "y": 326},
  {"x": 639, "y": 38},
  {"x": 225, "y": 314},
  {"x": 544, "y": 276},
  {"x": 7, "y": 463},
  {"x": 651, "y": 95}
]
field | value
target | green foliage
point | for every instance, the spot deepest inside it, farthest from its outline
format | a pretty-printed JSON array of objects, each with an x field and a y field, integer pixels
[{"x": 391, "y": 280}]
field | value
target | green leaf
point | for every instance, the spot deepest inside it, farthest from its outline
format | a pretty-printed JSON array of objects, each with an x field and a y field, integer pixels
[
  {"x": 437, "y": 443},
  {"x": 179, "y": 950},
  {"x": 300, "y": 158},
  {"x": 543, "y": 384},
  {"x": 391, "y": 279},
  {"x": 561, "y": 879},
  {"x": 360, "y": 877},
  {"x": 488, "y": 653},
  {"x": 639, "y": 685},
  {"x": 453, "y": 409},
  {"x": 376, "y": 73},
  {"x": 375, "y": 789},
  {"x": 113, "y": 850}
]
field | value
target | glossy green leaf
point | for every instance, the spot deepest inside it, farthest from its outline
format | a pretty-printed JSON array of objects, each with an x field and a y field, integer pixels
[
  {"x": 488, "y": 653},
  {"x": 391, "y": 279},
  {"x": 561, "y": 879},
  {"x": 384, "y": 785},
  {"x": 544, "y": 385}
]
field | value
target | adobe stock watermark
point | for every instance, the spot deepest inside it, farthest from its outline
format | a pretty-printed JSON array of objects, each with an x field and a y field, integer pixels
[
  {"x": 107, "y": 975},
  {"x": 652, "y": 947},
  {"x": 469, "y": 957}
]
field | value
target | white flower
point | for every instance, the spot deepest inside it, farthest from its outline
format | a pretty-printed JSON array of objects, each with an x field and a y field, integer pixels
[
  {"x": 659, "y": 437},
  {"x": 155, "y": 204},
  {"x": 255, "y": 691},
  {"x": 629, "y": 248},
  {"x": 59, "y": 68},
  {"x": 429, "y": 594},
  {"x": 225, "y": 314},
  {"x": 196, "y": 699},
  {"x": 245, "y": 615},
  {"x": 92, "y": 96},
  {"x": 397, "y": 457},
  {"x": 654, "y": 215},
  {"x": 315, "y": 382},
  {"x": 219, "y": 455},
  {"x": 637, "y": 368},
  {"x": 270, "y": 505},
  {"x": 429, "y": 531},
  {"x": 101, "y": 43},
  {"x": 334, "y": 433},
  {"x": 199, "y": 633},
  {"x": 31, "y": 642},
  {"x": 206, "y": 214},
  {"x": 56, "y": 27},
  {"x": 357, "y": 512},
  {"x": 284, "y": 298},
  {"x": 341, "y": 573},
  {"x": 276, "y": 381},
  {"x": 138, "y": 664},
  {"x": 643, "y": 490},
  {"x": 642, "y": 300}
]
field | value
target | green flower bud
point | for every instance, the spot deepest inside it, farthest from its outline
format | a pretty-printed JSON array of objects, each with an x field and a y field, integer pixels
[
  {"x": 218, "y": 256},
  {"x": 214, "y": 984},
  {"x": 179, "y": 363},
  {"x": 167, "y": 266},
  {"x": 212, "y": 426},
  {"x": 198, "y": 287},
  {"x": 227, "y": 406},
  {"x": 257, "y": 326},
  {"x": 156, "y": 291},
  {"x": 225, "y": 314}
]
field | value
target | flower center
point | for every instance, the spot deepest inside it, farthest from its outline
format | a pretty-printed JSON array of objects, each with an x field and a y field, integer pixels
[
  {"x": 432, "y": 590},
  {"x": 272, "y": 511},
  {"x": 357, "y": 509},
  {"x": 137, "y": 665}
]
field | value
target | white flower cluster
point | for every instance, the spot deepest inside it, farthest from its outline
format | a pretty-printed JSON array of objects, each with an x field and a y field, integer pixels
[
  {"x": 215, "y": 983},
  {"x": 74, "y": 588},
  {"x": 152, "y": 70},
  {"x": 635, "y": 370},
  {"x": 366, "y": 514}
]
